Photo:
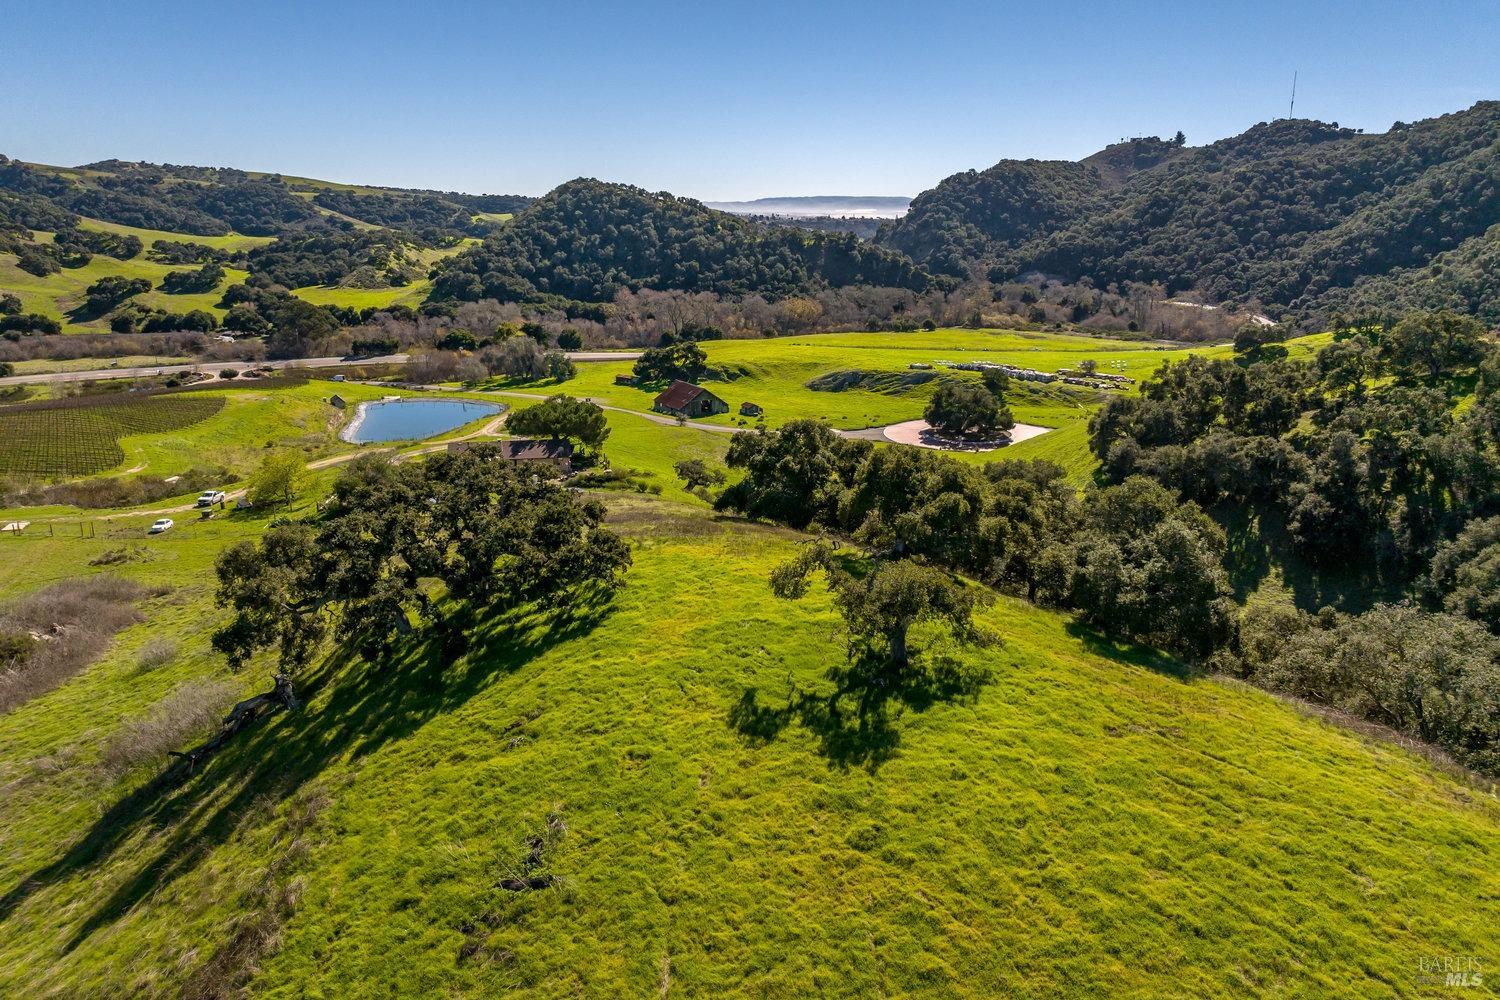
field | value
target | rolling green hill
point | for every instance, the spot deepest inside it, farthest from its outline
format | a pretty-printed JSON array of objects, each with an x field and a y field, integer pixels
[
  {"x": 60, "y": 294},
  {"x": 344, "y": 245},
  {"x": 728, "y": 813},
  {"x": 725, "y": 808},
  {"x": 215, "y": 201}
]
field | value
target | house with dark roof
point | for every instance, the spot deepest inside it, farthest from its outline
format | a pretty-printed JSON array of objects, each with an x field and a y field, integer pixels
[
  {"x": 525, "y": 451},
  {"x": 749, "y": 409},
  {"x": 684, "y": 399}
]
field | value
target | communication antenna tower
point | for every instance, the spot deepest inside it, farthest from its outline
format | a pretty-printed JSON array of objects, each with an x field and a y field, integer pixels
[{"x": 1293, "y": 105}]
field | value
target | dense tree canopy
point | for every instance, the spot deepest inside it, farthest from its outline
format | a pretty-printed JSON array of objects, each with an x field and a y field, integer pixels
[
  {"x": 562, "y": 417},
  {"x": 111, "y": 290},
  {"x": 1365, "y": 472},
  {"x": 966, "y": 410},
  {"x": 587, "y": 240},
  {"x": 1144, "y": 566},
  {"x": 1432, "y": 676},
  {"x": 495, "y": 537},
  {"x": 683, "y": 361},
  {"x": 204, "y": 279},
  {"x": 1309, "y": 216}
]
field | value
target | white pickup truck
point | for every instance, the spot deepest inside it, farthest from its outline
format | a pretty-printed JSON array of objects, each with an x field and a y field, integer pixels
[{"x": 210, "y": 497}]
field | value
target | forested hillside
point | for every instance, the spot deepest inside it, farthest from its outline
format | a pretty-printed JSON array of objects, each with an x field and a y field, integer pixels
[
  {"x": 587, "y": 240},
  {"x": 1291, "y": 214},
  {"x": 973, "y": 216}
]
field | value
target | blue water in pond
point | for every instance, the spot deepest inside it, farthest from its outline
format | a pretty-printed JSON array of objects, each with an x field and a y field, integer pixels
[{"x": 413, "y": 419}]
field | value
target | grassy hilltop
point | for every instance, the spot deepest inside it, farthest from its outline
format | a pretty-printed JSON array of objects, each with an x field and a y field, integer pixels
[{"x": 372, "y": 247}]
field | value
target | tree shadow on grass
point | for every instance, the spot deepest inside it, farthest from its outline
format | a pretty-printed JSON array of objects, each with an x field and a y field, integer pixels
[
  {"x": 1260, "y": 543},
  {"x": 1247, "y": 558},
  {"x": 1110, "y": 648},
  {"x": 855, "y": 724},
  {"x": 348, "y": 713}
]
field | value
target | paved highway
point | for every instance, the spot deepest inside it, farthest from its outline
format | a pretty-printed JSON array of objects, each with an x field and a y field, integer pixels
[{"x": 214, "y": 367}]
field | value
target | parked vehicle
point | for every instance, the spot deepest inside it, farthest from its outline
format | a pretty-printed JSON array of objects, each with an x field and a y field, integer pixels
[
  {"x": 210, "y": 497},
  {"x": 157, "y": 527}
]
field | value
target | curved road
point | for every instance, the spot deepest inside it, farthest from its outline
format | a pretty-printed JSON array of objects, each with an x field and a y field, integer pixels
[{"x": 214, "y": 367}]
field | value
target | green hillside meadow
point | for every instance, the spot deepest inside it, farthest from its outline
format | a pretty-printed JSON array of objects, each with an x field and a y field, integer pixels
[
  {"x": 727, "y": 808},
  {"x": 1058, "y": 818}
]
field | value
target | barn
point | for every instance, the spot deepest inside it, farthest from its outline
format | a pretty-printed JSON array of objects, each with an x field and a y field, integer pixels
[{"x": 684, "y": 399}]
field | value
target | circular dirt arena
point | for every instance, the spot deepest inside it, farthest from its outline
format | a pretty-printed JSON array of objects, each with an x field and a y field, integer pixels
[{"x": 921, "y": 434}]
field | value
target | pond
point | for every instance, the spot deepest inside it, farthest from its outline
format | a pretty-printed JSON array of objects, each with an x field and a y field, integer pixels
[{"x": 412, "y": 419}]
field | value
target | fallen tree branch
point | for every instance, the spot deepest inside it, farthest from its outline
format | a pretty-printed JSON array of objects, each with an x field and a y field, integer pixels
[{"x": 240, "y": 717}]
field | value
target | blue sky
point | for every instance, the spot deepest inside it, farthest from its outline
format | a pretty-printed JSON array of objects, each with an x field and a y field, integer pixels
[{"x": 713, "y": 100}]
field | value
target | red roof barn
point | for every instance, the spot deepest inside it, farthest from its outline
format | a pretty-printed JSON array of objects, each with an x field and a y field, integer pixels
[{"x": 684, "y": 399}]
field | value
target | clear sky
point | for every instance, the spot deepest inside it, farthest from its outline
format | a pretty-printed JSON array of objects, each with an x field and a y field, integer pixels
[{"x": 716, "y": 100}]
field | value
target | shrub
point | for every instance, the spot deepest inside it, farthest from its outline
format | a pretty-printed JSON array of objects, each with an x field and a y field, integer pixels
[
  {"x": 1432, "y": 676},
  {"x": 697, "y": 476},
  {"x": 15, "y": 648},
  {"x": 112, "y": 557},
  {"x": 190, "y": 708},
  {"x": 156, "y": 653},
  {"x": 75, "y": 620}
]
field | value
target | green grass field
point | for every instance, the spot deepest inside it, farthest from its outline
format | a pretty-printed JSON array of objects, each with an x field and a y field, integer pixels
[
  {"x": 412, "y": 295},
  {"x": 59, "y": 294},
  {"x": 1074, "y": 820},
  {"x": 1059, "y": 816},
  {"x": 234, "y": 241},
  {"x": 775, "y": 374},
  {"x": 366, "y": 298}
]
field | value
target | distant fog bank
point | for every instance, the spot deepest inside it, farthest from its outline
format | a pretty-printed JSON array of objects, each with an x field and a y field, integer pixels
[{"x": 847, "y": 206}]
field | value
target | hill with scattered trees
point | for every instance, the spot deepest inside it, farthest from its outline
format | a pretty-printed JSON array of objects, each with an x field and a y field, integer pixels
[{"x": 217, "y": 201}]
